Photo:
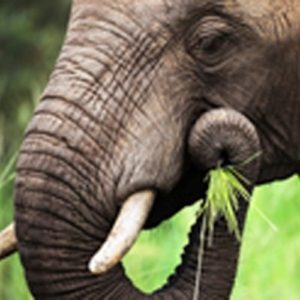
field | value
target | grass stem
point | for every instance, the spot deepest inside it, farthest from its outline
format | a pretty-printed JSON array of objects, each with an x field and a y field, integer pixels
[{"x": 200, "y": 258}]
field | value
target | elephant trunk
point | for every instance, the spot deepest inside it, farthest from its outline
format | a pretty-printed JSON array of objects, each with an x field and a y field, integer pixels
[
  {"x": 225, "y": 137},
  {"x": 220, "y": 137}
]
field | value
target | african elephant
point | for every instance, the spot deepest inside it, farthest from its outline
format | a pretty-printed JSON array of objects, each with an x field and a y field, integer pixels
[{"x": 146, "y": 96}]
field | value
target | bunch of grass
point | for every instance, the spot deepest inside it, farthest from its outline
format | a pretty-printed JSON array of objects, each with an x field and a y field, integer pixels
[{"x": 226, "y": 186}]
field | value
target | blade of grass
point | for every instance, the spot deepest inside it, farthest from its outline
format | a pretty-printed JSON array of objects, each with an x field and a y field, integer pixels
[
  {"x": 200, "y": 259},
  {"x": 8, "y": 167},
  {"x": 226, "y": 185},
  {"x": 265, "y": 218},
  {"x": 7, "y": 180}
]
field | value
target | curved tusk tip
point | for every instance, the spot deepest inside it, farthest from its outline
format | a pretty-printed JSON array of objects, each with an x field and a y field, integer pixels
[
  {"x": 130, "y": 221},
  {"x": 96, "y": 267},
  {"x": 103, "y": 261},
  {"x": 100, "y": 263}
]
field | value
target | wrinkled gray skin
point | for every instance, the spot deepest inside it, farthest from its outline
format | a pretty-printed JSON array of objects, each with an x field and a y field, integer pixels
[{"x": 132, "y": 78}]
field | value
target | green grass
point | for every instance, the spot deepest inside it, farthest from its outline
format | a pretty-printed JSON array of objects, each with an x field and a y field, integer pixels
[
  {"x": 270, "y": 262},
  {"x": 226, "y": 187}
]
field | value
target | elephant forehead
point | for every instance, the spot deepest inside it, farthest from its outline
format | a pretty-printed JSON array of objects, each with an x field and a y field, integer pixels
[
  {"x": 274, "y": 19},
  {"x": 142, "y": 6},
  {"x": 149, "y": 14},
  {"x": 259, "y": 8}
]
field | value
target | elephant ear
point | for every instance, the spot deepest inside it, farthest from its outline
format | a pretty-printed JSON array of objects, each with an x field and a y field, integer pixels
[{"x": 8, "y": 241}]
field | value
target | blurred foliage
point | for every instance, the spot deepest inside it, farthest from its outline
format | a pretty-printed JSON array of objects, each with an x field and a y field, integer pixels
[
  {"x": 270, "y": 262},
  {"x": 31, "y": 33}
]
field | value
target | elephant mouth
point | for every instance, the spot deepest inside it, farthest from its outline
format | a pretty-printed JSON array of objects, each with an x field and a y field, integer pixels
[
  {"x": 165, "y": 219},
  {"x": 220, "y": 137},
  {"x": 161, "y": 247},
  {"x": 190, "y": 188},
  {"x": 146, "y": 210}
]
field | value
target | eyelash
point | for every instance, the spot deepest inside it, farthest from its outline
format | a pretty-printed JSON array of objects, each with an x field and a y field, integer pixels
[
  {"x": 213, "y": 43},
  {"x": 213, "y": 38}
]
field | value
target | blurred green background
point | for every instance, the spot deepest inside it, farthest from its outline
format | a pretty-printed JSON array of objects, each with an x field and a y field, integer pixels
[{"x": 31, "y": 33}]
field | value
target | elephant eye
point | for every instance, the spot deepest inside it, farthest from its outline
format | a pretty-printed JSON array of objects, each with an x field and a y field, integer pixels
[
  {"x": 212, "y": 44},
  {"x": 210, "y": 41}
]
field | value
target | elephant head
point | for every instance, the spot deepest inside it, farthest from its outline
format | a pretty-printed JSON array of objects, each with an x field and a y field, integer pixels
[{"x": 146, "y": 96}]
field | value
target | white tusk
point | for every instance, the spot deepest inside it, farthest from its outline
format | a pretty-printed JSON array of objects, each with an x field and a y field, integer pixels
[
  {"x": 8, "y": 241},
  {"x": 125, "y": 231}
]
